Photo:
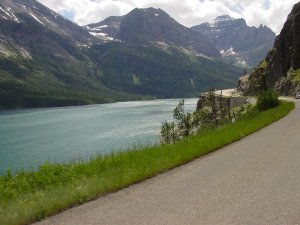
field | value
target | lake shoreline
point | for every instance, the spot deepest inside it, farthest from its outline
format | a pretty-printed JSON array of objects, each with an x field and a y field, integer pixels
[
  {"x": 32, "y": 136},
  {"x": 57, "y": 187}
]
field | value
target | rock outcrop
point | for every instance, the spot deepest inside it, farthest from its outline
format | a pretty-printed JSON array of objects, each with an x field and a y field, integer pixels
[{"x": 281, "y": 68}]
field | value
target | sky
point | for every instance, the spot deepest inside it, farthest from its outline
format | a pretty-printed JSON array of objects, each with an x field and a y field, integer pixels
[{"x": 272, "y": 13}]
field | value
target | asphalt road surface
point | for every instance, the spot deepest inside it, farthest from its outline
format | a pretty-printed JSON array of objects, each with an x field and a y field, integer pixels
[{"x": 253, "y": 181}]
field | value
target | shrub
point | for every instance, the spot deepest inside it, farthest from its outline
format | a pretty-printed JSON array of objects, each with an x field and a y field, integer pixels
[
  {"x": 267, "y": 100},
  {"x": 169, "y": 132},
  {"x": 212, "y": 112},
  {"x": 182, "y": 127}
]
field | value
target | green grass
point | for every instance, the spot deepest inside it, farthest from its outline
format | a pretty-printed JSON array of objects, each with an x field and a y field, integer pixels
[
  {"x": 29, "y": 196},
  {"x": 263, "y": 64},
  {"x": 296, "y": 75}
]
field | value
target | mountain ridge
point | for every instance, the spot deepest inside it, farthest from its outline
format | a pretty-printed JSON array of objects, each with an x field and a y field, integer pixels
[
  {"x": 47, "y": 60},
  {"x": 143, "y": 26},
  {"x": 231, "y": 37},
  {"x": 42, "y": 62}
]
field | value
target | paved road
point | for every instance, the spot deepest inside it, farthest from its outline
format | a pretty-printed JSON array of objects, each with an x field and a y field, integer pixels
[{"x": 254, "y": 181}]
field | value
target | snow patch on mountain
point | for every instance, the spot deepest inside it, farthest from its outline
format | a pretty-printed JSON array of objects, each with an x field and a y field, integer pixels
[
  {"x": 36, "y": 19},
  {"x": 228, "y": 52},
  {"x": 102, "y": 36},
  {"x": 9, "y": 14}
]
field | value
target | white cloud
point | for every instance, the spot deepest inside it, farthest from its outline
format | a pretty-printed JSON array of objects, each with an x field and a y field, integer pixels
[{"x": 272, "y": 13}]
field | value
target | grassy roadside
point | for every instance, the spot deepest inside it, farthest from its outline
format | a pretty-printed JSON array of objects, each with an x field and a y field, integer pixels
[{"x": 30, "y": 196}]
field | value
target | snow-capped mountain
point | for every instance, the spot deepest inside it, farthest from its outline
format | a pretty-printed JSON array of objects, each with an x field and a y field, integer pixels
[
  {"x": 47, "y": 60},
  {"x": 29, "y": 25},
  {"x": 31, "y": 11},
  {"x": 237, "y": 41},
  {"x": 107, "y": 29},
  {"x": 43, "y": 60},
  {"x": 144, "y": 26}
]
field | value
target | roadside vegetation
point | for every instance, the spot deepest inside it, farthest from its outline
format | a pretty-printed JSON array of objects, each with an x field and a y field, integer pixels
[
  {"x": 296, "y": 75},
  {"x": 28, "y": 196},
  {"x": 213, "y": 111},
  {"x": 263, "y": 64}
]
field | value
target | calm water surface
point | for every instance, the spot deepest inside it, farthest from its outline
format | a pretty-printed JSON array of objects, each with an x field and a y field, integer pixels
[{"x": 30, "y": 137}]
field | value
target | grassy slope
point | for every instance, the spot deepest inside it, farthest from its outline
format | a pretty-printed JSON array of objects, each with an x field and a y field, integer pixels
[
  {"x": 163, "y": 73},
  {"x": 29, "y": 196},
  {"x": 45, "y": 82},
  {"x": 108, "y": 73}
]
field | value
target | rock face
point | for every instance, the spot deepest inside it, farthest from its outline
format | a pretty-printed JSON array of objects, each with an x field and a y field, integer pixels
[
  {"x": 31, "y": 25},
  {"x": 281, "y": 68},
  {"x": 107, "y": 29},
  {"x": 144, "y": 26},
  {"x": 237, "y": 42}
]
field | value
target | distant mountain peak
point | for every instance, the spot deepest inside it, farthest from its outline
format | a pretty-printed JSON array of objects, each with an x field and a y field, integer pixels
[
  {"x": 153, "y": 26},
  {"x": 150, "y": 9},
  {"x": 229, "y": 34},
  {"x": 223, "y": 18},
  {"x": 226, "y": 20},
  {"x": 150, "y": 13}
]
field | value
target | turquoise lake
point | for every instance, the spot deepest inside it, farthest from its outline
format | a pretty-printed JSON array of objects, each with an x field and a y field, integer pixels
[{"x": 29, "y": 137}]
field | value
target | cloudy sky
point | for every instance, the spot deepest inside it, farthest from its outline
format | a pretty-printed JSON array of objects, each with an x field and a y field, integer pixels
[{"x": 272, "y": 13}]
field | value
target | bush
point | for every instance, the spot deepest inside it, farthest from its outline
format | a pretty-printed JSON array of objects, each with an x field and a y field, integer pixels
[
  {"x": 182, "y": 127},
  {"x": 169, "y": 132},
  {"x": 267, "y": 100},
  {"x": 212, "y": 111}
]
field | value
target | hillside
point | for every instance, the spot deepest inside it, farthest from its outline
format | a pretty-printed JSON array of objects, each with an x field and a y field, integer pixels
[
  {"x": 47, "y": 60},
  {"x": 238, "y": 43},
  {"x": 281, "y": 68},
  {"x": 163, "y": 73},
  {"x": 41, "y": 59}
]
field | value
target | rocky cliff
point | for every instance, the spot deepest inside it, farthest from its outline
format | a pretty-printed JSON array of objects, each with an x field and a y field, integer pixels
[
  {"x": 107, "y": 29},
  {"x": 281, "y": 68}
]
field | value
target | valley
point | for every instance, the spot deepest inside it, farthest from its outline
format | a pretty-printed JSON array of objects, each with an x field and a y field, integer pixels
[{"x": 47, "y": 60}]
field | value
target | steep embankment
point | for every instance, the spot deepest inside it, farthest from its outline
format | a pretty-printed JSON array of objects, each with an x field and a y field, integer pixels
[{"x": 281, "y": 68}]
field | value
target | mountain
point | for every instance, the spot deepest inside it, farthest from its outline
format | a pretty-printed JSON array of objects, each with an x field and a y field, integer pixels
[
  {"x": 280, "y": 70},
  {"x": 42, "y": 60},
  {"x": 31, "y": 25},
  {"x": 161, "y": 72},
  {"x": 144, "y": 26},
  {"x": 237, "y": 42},
  {"x": 47, "y": 60}
]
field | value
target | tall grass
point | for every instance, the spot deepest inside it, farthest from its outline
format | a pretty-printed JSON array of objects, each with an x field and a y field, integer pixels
[{"x": 29, "y": 196}]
